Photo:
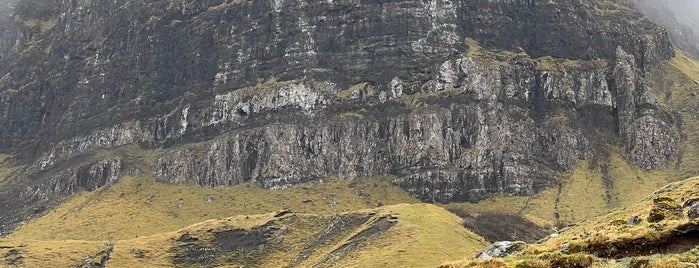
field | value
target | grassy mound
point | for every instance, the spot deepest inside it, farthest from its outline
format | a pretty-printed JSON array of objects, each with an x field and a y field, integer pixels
[{"x": 139, "y": 223}]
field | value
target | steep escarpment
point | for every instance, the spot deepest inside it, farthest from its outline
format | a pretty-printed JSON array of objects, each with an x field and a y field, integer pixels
[
  {"x": 459, "y": 100},
  {"x": 8, "y": 31}
]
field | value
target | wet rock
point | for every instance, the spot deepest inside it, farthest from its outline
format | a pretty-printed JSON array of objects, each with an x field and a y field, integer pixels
[{"x": 501, "y": 249}]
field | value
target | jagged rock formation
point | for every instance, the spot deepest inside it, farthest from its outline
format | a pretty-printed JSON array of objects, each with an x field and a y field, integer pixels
[
  {"x": 649, "y": 140},
  {"x": 10, "y": 41},
  {"x": 280, "y": 92}
]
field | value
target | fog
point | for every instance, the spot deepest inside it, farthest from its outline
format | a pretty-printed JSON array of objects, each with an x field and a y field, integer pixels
[
  {"x": 686, "y": 11},
  {"x": 679, "y": 17}
]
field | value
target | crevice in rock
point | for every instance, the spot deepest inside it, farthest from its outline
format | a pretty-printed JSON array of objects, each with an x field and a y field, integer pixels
[{"x": 556, "y": 212}]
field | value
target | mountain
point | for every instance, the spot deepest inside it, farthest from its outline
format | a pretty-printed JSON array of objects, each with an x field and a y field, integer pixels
[{"x": 550, "y": 112}]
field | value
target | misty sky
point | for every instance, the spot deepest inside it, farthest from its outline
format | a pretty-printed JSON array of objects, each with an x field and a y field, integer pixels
[{"x": 687, "y": 11}]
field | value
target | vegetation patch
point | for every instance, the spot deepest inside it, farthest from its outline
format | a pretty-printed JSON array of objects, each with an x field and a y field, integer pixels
[{"x": 495, "y": 226}]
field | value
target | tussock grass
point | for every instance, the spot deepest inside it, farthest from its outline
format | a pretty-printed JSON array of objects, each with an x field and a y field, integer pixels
[
  {"x": 424, "y": 235},
  {"x": 143, "y": 219},
  {"x": 136, "y": 207}
]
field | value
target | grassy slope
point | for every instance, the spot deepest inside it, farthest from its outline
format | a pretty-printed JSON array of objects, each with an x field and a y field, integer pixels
[
  {"x": 425, "y": 235},
  {"x": 137, "y": 206},
  {"x": 137, "y": 213},
  {"x": 584, "y": 193},
  {"x": 583, "y": 239}
]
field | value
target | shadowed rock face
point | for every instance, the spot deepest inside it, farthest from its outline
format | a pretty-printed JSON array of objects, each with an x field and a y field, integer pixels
[
  {"x": 10, "y": 36},
  {"x": 349, "y": 98}
]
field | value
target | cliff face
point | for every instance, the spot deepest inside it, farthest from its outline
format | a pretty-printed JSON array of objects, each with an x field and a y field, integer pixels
[
  {"x": 10, "y": 40},
  {"x": 280, "y": 92}
]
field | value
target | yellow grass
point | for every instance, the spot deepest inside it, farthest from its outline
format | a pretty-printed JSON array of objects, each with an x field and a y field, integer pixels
[
  {"x": 583, "y": 193},
  {"x": 425, "y": 236},
  {"x": 5, "y": 168},
  {"x": 137, "y": 206}
]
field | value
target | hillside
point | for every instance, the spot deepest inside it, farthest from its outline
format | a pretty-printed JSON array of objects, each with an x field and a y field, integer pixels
[
  {"x": 603, "y": 221},
  {"x": 658, "y": 231},
  {"x": 335, "y": 133},
  {"x": 136, "y": 223}
]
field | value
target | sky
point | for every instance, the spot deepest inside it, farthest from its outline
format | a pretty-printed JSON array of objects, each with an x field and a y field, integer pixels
[{"x": 687, "y": 11}]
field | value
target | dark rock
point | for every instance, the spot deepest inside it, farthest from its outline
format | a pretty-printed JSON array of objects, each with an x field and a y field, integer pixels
[
  {"x": 677, "y": 18},
  {"x": 186, "y": 238},
  {"x": 236, "y": 240},
  {"x": 139, "y": 253},
  {"x": 637, "y": 118},
  {"x": 634, "y": 220},
  {"x": 693, "y": 211},
  {"x": 194, "y": 254},
  {"x": 14, "y": 257},
  {"x": 283, "y": 213}
]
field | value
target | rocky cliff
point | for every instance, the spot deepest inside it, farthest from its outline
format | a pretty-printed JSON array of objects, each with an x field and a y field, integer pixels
[{"x": 458, "y": 100}]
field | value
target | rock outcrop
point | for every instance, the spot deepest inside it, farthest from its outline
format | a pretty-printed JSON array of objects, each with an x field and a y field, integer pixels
[
  {"x": 10, "y": 36},
  {"x": 458, "y": 100},
  {"x": 647, "y": 133}
]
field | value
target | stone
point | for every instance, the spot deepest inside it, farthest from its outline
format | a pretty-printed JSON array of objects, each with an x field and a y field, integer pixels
[
  {"x": 634, "y": 220},
  {"x": 501, "y": 249},
  {"x": 693, "y": 211}
]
